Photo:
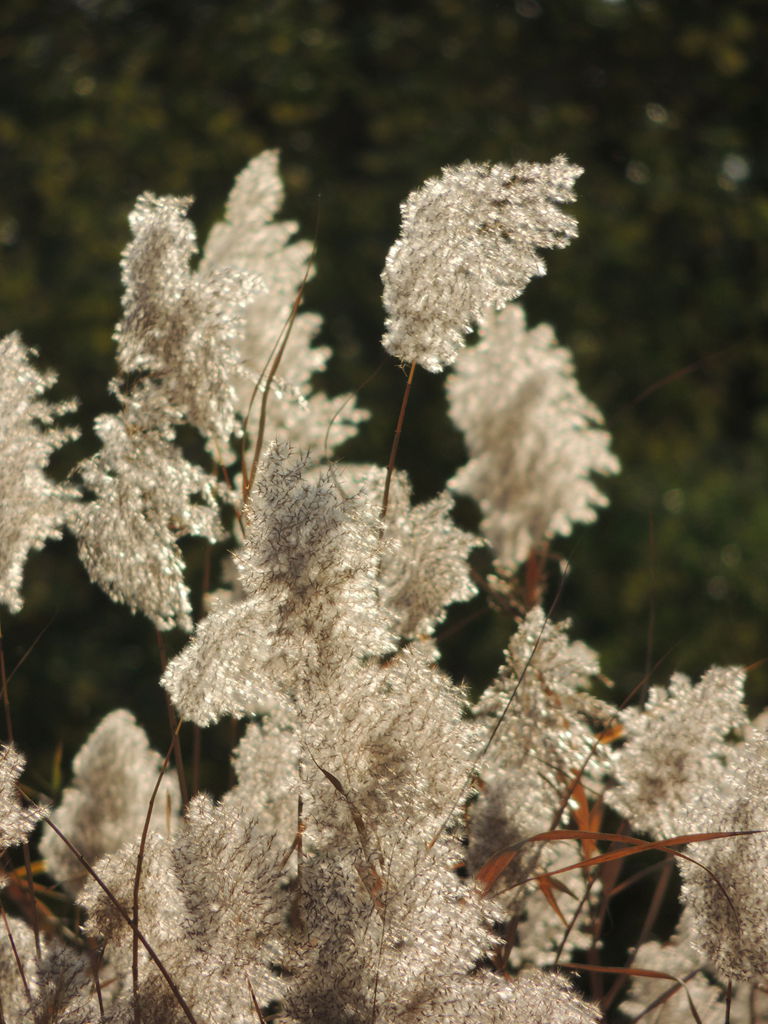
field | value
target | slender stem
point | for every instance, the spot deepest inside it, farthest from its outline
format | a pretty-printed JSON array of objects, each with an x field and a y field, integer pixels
[
  {"x": 234, "y": 739},
  {"x": 137, "y": 876},
  {"x": 26, "y": 653},
  {"x": 6, "y": 701},
  {"x": 31, "y": 886},
  {"x": 14, "y": 950},
  {"x": 4, "y": 680},
  {"x": 650, "y": 632},
  {"x": 174, "y": 725},
  {"x": 396, "y": 442},
  {"x": 95, "y": 958},
  {"x": 498, "y": 723},
  {"x": 196, "y": 754},
  {"x": 126, "y": 917},
  {"x": 276, "y": 357}
]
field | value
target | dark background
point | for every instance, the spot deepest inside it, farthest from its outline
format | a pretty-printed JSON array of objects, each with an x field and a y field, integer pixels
[{"x": 663, "y": 297}]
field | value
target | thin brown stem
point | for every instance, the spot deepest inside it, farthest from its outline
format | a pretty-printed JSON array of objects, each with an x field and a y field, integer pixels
[
  {"x": 137, "y": 875},
  {"x": 234, "y": 739},
  {"x": 497, "y": 725},
  {"x": 95, "y": 957},
  {"x": 654, "y": 908},
  {"x": 196, "y": 755},
  {"x": 17, "y": 958},
  {"x": 174, "y": 725},
  {"x": 126, "y": 917},
  {"x": 4, "y": 682},
  {"x": 26, "y": 653},
  {"x": 396, "y": 442},
  {"x": 33, "y": 901},
  {"x": 255, "y": 1002},
  {"x": 276, "y": 359}
]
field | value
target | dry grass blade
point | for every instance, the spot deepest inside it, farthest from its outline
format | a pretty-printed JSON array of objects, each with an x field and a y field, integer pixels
[
  {"x": 638, "y": 972},
  {"x": 362, "y": 830},
  {"x": 25, "y": 899},
  {"x": 369, "y": 876},
  {"x": 547, "y": 887},
  {"x": 495, "y": 867},
  {"x": 587, "y": 818}
]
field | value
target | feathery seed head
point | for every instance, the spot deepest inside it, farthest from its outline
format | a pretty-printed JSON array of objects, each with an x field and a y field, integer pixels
[{"x": 469, "y": 240}]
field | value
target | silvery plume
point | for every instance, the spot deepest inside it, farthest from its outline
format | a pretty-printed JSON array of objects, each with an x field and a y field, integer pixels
[
  {"x": 534, "y": 439},
  {"x": 175, "y": 356},
  {"x": 32, "y": 507},
  {"x": 469, "y": 241}
]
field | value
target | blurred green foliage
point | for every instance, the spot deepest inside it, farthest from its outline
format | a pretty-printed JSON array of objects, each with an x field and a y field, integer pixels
[{"x": 662, "y": 298}]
